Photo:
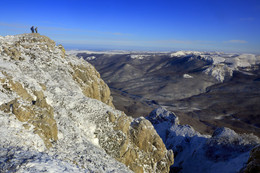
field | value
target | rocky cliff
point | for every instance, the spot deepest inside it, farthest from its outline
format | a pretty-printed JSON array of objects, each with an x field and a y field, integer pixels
[
  {"x": 253, "y": 163},
  {"x": 224, "y": 151},
  {"x": 56, "y": 114}
]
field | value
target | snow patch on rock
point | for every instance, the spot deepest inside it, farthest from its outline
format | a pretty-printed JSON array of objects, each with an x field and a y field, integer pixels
[
  {"x": 90, "y": 58},
  {"x": 138, "y": 56},
  {"x": 219, "y": 71},
  {"x": 185, "y": 53},
  {"x": 187, "y": 76},
  {"x": 223, "y": 65}
]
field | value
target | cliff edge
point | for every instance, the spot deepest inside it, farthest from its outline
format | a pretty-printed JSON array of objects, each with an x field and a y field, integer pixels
[{"x": 56, "y": 114}]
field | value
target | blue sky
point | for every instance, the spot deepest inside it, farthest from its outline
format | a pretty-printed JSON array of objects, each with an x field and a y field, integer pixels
[{"x": 166, "y": 25}]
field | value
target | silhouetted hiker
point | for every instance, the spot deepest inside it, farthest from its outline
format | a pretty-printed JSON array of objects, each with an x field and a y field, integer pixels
[
  {"x": 36, "y": 29},
  {"x": 32, "y": 29}
]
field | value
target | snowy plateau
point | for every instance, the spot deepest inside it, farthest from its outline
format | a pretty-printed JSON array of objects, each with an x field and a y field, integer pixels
[{"x": 57, "y": 115}]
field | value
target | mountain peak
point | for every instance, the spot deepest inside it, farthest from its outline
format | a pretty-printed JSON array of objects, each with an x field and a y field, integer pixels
[{"x": 56, "y": 110}]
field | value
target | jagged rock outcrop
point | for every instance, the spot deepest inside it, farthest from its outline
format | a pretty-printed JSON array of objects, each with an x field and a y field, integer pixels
[
  {"x": 56, "y": 110},
  {"x": 137, "y": 144},
  {"x": 223, "y": 151},
  {"x": 91, "y": 84},
  {"x": 253, "y": 164}
]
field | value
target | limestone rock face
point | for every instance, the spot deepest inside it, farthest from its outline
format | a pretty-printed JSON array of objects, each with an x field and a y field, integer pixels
[
  {"x": 91, "y": 84},
  {"x": 56, "y": 108},
  {"x": 137, "y": 145},
  {"x": 37, "y": 113},
  {"x": 86, "y": 76}
]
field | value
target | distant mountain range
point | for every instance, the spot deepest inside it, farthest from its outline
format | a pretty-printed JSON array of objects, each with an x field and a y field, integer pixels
[{"x": 205, "y": 89}]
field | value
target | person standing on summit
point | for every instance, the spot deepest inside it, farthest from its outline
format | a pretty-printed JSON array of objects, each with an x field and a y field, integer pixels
[
  {"x": 32, "y": 29},
  {"x": 36, "y": 29}
]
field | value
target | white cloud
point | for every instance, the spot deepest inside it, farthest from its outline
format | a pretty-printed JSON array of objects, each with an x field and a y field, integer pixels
[
  {"x": 236, "y": 41},
  {"x": 13, "y": 25}
]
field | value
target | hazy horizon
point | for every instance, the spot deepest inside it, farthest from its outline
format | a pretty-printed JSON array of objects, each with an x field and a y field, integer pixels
[
  {"x": 202, "y": 25},
  {"x": 145, "y": 49}
]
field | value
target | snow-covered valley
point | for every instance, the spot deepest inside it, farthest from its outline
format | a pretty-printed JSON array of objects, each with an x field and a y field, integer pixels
[
  {"x": 210, "y": 92},
  {"x": 205, "y": 89}
]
